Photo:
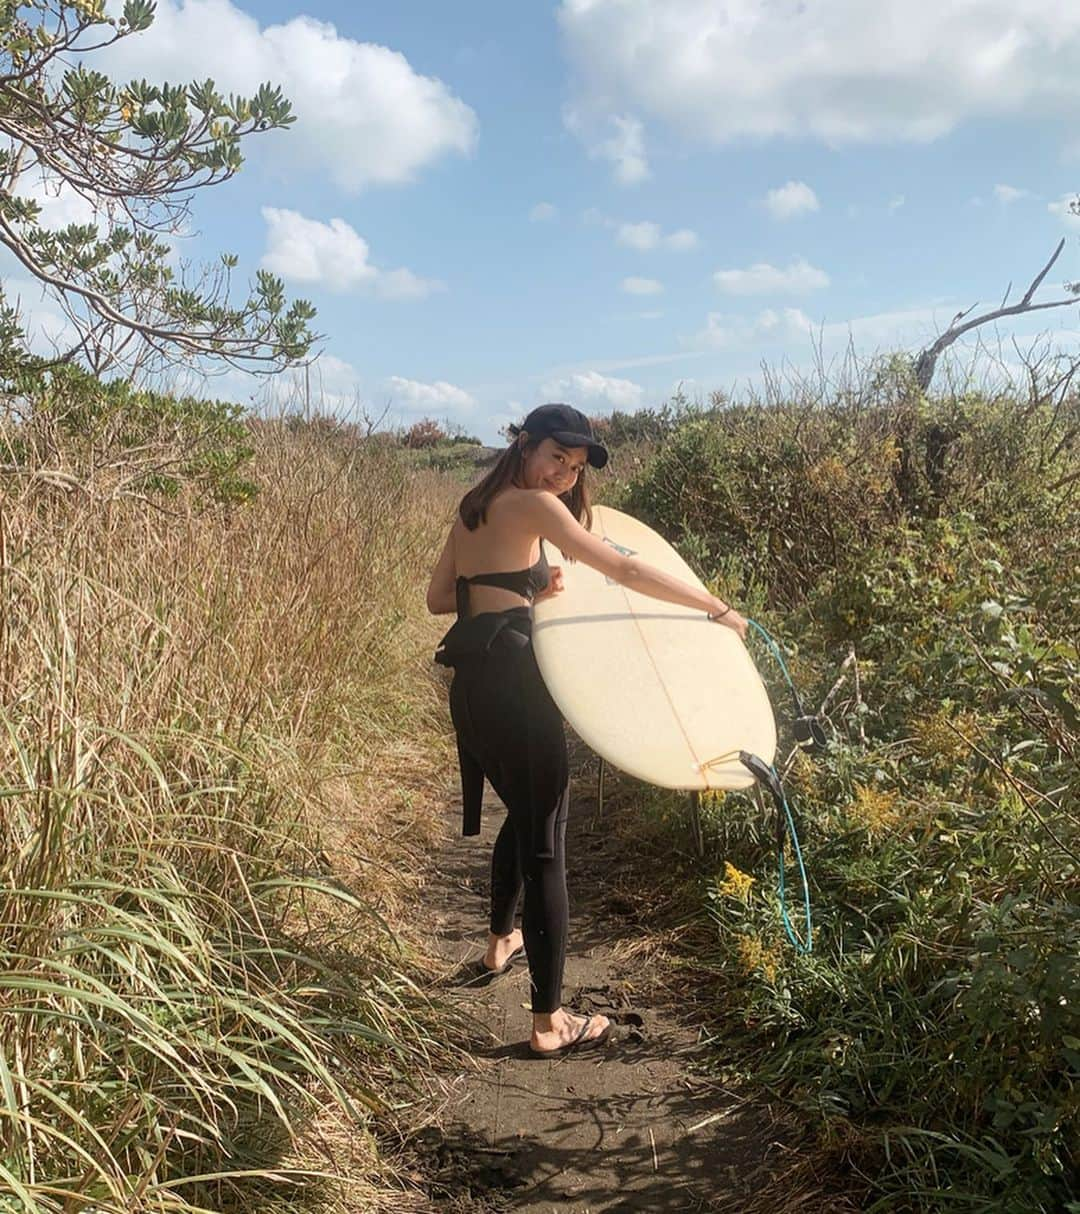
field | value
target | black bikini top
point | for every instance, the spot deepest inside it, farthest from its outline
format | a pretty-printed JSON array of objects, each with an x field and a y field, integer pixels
[{"x": 526, "y": 582}]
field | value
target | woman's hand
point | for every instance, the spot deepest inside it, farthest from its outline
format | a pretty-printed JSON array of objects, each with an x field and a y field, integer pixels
[
  {"x": 554, "y": 586},
  {"x": 728, "y": 615}
]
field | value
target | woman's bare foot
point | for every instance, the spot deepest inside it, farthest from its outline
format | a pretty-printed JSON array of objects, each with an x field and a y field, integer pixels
[
  {"x": 501, "y": 948},
  {"x": 550, "y": 1031}
]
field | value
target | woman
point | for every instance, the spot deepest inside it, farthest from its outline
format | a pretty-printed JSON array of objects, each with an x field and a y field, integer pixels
[{"x": 508, "y": 728}]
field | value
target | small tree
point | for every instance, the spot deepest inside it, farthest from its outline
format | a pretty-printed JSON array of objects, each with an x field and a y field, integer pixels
[
  {"x": 136, "y": 153},
  {"x": 425, "y": 433}
]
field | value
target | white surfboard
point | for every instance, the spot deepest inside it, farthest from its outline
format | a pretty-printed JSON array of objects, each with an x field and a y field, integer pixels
[{"x": 656, "y": 689}]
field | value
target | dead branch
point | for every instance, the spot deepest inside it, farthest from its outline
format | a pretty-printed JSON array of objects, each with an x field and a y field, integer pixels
[
  {"x": 927, "y": 359},
  {"x": 837, "y": 685}
]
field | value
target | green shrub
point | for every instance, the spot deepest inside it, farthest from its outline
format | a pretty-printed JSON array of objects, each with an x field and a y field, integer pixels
[
  {"x": 116, "y": 440},
  {"x": 935, "y": 1028}
]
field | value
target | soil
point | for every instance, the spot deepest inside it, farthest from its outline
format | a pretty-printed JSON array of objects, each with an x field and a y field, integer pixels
[{"x": 642, "y": 1123}]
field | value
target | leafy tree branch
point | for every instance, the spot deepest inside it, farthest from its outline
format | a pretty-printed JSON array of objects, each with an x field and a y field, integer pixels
[{"x": 136, "y": 153}]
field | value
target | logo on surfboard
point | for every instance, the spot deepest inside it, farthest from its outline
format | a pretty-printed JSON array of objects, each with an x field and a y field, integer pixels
[{"x": 624, "y": 551}]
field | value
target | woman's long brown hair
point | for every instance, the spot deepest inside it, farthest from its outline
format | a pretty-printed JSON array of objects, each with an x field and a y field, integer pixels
[{"x": 474, "y": 505}]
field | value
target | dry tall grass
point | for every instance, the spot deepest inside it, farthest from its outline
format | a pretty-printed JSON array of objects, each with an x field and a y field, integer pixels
[{"x": 192, "y": 973}]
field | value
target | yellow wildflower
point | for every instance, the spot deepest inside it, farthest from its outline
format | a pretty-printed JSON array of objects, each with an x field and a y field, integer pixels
[
  {"x": 753, "y": 955},
  {"x": 735, "y": 882},
  {"x": 874, "y": 808},
  {"x": 940, "y": 743},
  {"x": 750, "y": 952},
  {"x": 770, "y": 959}
]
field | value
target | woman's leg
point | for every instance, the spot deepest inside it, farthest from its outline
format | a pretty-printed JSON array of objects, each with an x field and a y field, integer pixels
[
  {"x": 545, "y": 921},
  {"x": 546, "y": 914},
  {"x": 506, "y": 880},
  {"x": 515, "y": 730}
]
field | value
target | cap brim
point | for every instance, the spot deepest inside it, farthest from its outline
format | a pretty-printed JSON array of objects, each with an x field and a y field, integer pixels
[{"x": 597, "y": 456}]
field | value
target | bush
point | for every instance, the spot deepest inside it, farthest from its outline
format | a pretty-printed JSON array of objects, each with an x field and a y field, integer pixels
[
  {"x": 114, "y": 440},
  {"x": 935, "y": 1029},
  {"x": 798, "y": 492},
  {"x": 424, "y": 433}
]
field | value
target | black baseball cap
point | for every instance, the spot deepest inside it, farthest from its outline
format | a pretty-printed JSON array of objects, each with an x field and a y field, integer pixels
[{"x": 568, "y": 426}]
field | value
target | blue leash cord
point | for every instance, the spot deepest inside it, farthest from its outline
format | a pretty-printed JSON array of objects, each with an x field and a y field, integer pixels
[
  {"x": 800, "y": 947},
  {"x": 776, "y": 787},
  {"x": 775, "y": 652}
]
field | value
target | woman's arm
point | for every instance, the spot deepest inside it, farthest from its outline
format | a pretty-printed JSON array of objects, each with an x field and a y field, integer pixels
[
  {"x": 555, "y": 523},
  {"x": 441, "y": 597}
]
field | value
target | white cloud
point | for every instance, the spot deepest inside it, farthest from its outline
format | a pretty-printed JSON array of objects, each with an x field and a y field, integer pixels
[
  {"x": 363, "y": 113},
  {"x": 790, "y": 320},
  {"x": 333, "y": 255},
  {"x": 616, "y": 138},
  {"x": 48, "y": 331},
  {"x": 647, "y": 235},
  {"x": 793, "y": 198},
  {"x": 681, "y": 241},
  {"x": 335, "y": 373},
  {"x": 626, "y": 151},
  {"x": 404, "y": 284},
  {"x": 60, "y": 204},
  {"x": 419, "y": 397},
  {"x": 723, "y": 332},
  {"x": 896, "y": 202},
  {"x": 543, "y": 211},
  {"x": 643, "y": 236},
  {"x": 641, "y": 286},
  {"x": 1063, "y": 210},
  {"x": 1009, "y": 193},
  {"x": 763, "y": 279},
  {"x": 328, "y": 385},
  {"x": 639, "y": 235},
  {"x": 720, "y": 69},
  {"x": 591, "y": 388},
  {"x": 902, "y": 328}
]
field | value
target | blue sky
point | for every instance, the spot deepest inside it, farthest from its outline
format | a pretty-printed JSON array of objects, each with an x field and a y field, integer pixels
[{"x": 495, "y": 204}]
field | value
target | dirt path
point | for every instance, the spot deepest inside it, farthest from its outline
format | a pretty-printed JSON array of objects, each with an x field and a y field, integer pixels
[{"x": 638, "y": 1126}]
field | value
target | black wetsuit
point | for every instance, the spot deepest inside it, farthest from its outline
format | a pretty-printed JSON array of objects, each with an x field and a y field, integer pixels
[{"x": 509, "y": 730}]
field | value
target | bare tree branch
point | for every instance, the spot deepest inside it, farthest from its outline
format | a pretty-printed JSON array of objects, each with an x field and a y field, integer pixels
[{"x": 927, "y": 359}]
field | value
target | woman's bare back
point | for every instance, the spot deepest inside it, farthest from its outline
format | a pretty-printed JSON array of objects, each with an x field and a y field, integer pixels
[{"x": 499, "y": 545}]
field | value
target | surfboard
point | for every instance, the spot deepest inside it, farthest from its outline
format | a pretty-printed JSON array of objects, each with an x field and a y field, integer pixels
[{"x": 657, "y": 690}]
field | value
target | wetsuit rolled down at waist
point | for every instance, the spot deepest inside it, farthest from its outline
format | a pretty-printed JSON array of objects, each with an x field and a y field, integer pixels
[{"x": 519, "y": 736}]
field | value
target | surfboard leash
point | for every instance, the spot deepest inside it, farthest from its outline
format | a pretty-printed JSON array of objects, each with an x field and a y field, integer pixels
[
  {"x": 766, "y": 773},
  {"x": 800, "y": 946},
  {"x": 810, "y": 736},
  {"x": 806, "y": 727}
]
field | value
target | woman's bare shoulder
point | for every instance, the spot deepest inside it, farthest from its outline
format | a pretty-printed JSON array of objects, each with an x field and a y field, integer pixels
[{"x": 513, "y": 503}]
